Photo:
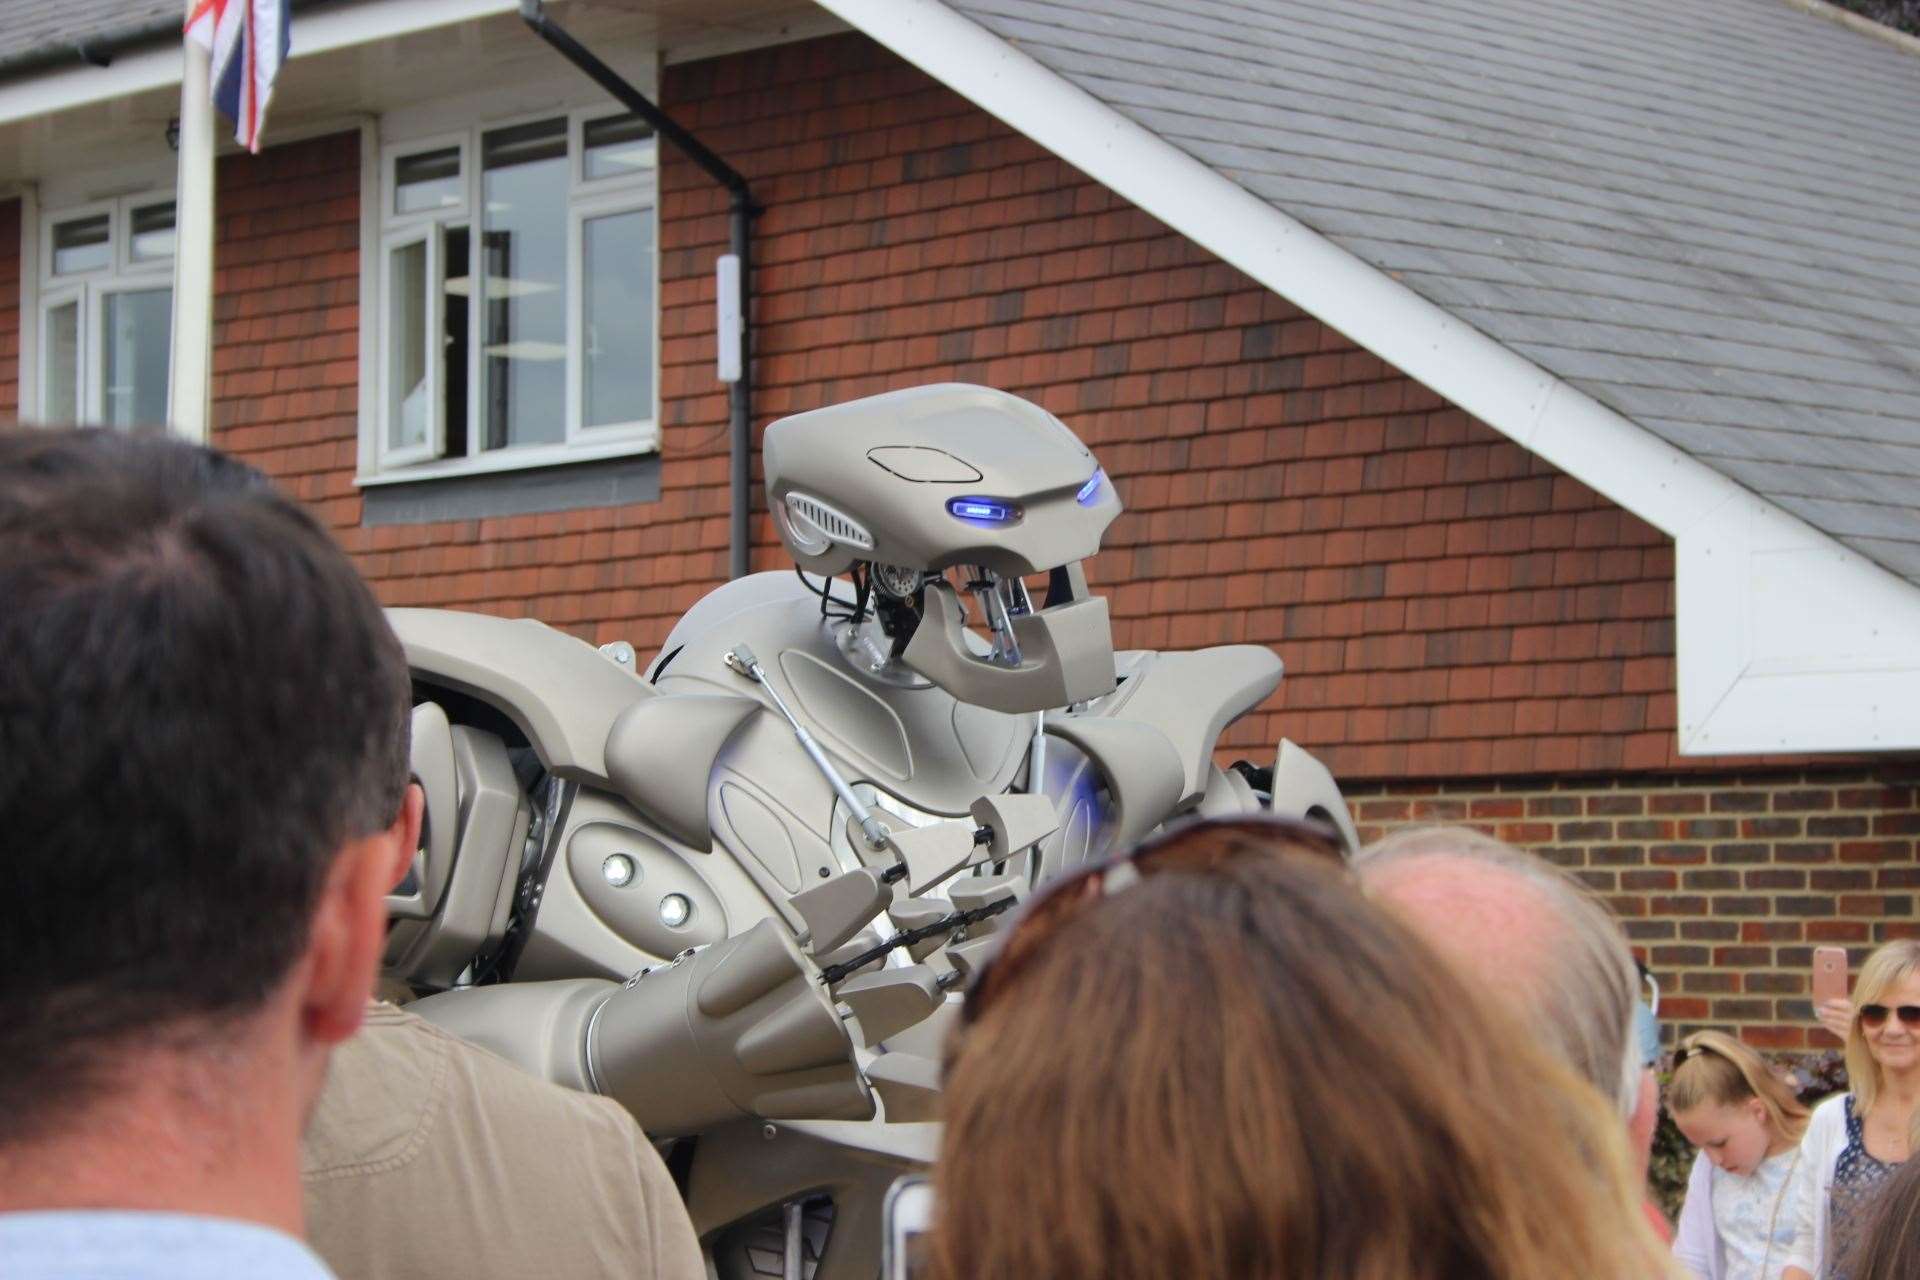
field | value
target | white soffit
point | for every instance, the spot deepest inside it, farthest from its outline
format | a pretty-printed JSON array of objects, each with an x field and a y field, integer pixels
[
  {"x": 1787, "y": 641},
  {"x": 322, "y": 31}
]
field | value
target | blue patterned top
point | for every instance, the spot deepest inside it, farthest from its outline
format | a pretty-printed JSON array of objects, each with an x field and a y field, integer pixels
[{"x": 1857, "y": 1176}]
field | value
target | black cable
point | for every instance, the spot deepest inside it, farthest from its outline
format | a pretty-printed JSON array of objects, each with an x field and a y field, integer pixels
[
  {"x": 843, "y": 609},
  {"x": 945, "y": 924}
]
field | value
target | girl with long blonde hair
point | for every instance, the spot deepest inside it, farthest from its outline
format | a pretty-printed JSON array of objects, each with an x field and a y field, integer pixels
[{"x": 1746, "y": 1122}]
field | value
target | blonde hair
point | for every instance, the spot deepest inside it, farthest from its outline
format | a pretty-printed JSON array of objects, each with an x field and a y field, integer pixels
[
  {"x": 1581, "y": 998},
  {"x": 1251, "y": 1070},
  {"x": 1884, "y": 969},
  {"x": 1716, "y": 1069}
]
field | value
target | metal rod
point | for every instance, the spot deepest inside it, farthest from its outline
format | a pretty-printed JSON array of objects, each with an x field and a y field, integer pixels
[
  {"x": 741, "y": 659},
  {"x": 792, "y": 1267},
  {"x": 190, "y": 353}
]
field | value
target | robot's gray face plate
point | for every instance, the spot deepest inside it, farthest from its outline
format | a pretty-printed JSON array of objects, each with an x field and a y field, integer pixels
[{"x": 933, "y": 477}]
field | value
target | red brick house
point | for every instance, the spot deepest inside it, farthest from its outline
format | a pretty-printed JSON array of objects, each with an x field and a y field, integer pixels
[{"x": 1517, "y": 579}]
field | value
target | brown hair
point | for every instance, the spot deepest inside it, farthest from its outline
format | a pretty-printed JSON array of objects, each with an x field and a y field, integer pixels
[
  {"x": 1251, "y": 1071},
  {"x": 1883, "y": 970},
  {"x": 1713, "y": 1067}
]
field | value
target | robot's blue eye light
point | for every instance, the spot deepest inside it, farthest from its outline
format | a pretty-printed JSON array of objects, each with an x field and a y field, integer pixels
[
  {"x": 1091, "y": 489},
  {"x": 985, "y": 510}
]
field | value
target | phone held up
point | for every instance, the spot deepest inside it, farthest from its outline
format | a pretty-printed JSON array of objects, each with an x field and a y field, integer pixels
[
  {"x": 1829, "y": 974},
  {"x": 909, "y": 1216}
]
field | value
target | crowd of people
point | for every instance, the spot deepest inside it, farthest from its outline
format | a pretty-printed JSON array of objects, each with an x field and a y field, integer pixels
[{"x": 1229, "y": 1052}]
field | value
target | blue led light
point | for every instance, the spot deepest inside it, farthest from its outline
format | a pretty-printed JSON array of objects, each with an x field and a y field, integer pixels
[
  {"x": 1090, "y": 491},
  {"x": 984, "y": 510}
]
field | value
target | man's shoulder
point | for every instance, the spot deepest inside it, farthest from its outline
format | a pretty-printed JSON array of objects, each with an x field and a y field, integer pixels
[
  {"x": 431, "y": 1081},
  {"x": 107, "y": 1244}
]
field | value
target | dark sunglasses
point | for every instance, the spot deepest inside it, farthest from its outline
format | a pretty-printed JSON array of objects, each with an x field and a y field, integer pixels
[
  {"x": 1198, "y": 847},
  {"x": 1872, "y": 1015}
]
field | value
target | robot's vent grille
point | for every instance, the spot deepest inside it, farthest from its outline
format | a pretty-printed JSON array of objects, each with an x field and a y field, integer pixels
[{"x": 834, "y": 524}]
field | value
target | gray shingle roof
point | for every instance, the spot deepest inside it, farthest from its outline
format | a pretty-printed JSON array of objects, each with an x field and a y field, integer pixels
[
  {"x": 1703, "y": 213},
  {"x": 34, "y": 29}
]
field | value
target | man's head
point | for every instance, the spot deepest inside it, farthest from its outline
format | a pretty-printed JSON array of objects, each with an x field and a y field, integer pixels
[
  {"x": 203, "y": 766},
  {"x": 1519, "y": 927}
]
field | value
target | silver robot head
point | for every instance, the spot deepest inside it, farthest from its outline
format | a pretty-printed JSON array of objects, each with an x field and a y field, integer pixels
[{"x": 899, "y": 488}]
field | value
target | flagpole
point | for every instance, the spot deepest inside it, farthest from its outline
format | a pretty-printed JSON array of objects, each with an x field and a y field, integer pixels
[{"x": 190, "y": 365}]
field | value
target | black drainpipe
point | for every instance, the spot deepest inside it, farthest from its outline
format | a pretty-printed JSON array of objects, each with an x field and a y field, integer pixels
[{"x": 741, "y": 210}]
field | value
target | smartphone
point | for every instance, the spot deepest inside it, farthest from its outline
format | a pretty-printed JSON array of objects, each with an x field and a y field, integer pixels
[
  {"x": 1829, "y": 974},
  {"x": 909, "y": 1216}
]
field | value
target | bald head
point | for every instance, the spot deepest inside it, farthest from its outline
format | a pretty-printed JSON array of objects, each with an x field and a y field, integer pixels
[{"x": 1523, "y": 930}]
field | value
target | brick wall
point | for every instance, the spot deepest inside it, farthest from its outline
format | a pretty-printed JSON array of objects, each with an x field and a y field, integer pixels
[
  {"x": 1725, "y": 884},
  {"x": 286, "y": 321}
]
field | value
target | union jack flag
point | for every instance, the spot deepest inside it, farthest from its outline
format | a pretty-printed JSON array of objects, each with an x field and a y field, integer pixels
[{"x": 248, "y": 41}]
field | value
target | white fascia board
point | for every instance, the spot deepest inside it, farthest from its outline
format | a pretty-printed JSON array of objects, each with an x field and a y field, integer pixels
[
  {"x": 160, "y": 66},
  {"x": 1760, "y": 671}
]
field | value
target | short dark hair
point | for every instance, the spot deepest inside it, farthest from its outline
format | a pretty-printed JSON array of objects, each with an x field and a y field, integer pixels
[{"x": 200, "y": 703}]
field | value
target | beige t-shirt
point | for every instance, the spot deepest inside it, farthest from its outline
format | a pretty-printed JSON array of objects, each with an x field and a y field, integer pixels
[{"x": 428, "y": 1156}]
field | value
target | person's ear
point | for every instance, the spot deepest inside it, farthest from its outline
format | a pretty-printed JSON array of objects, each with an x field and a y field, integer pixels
[
  {"x": 350, "y": 925},
  {"x": 412, "y": 809}
]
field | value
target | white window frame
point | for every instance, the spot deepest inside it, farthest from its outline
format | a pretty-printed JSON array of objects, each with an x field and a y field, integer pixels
[
  {"x": 579, "y": 212},
  {"x": 90, "y": 290},
  {"x": 622, "y": 193},
  {"x": 44, "y": 379},
  {"x": 429, "y": 235},
  {"x": 98, "y": 292}
]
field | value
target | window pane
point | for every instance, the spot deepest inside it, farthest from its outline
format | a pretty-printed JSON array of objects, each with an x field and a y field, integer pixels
[
  {"x": 135, "y": 330},
  {"x": 618, "y": 317},
  {"x": 523, "y": 251},
  {"x": 618, "y": 145},
  {"x": 408, "y": 411},
  {"x": 81, "y": 245},
  {"x": 430, "y": 180},
  {"x": 152, "y": 233},
  {"x": 62, "y": 396}
]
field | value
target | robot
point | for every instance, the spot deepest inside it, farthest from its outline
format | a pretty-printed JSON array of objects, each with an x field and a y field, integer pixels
[{"x": 741, "y": 889}]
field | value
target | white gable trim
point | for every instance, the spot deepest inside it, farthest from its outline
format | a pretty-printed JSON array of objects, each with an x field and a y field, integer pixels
[{"x": 1761, "y": 668}]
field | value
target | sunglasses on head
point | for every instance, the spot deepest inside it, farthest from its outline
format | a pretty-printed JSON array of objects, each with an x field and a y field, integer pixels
[
  {"x": 1873, "y": 1015},
  {"x": 1200, "y": 847}
]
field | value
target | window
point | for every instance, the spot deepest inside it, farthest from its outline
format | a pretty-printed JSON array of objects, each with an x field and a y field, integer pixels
[
  {"x": 517, "y": 300},
  {"x": 106, "y": 312}
]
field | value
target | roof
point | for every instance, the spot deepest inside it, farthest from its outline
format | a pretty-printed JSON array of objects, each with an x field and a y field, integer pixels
[
  {"x": 34, "y": 31},
  {"x": 1700, "y": 213}
]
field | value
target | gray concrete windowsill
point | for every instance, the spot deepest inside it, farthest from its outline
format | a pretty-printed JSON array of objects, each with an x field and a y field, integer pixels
[{"x": 608, "y": 482}]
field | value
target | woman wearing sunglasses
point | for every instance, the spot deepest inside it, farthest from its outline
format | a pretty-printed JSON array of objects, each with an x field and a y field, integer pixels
[
  {"x": 1856, "y": 1140},
  {"x": 1216, "y": 1059}
]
